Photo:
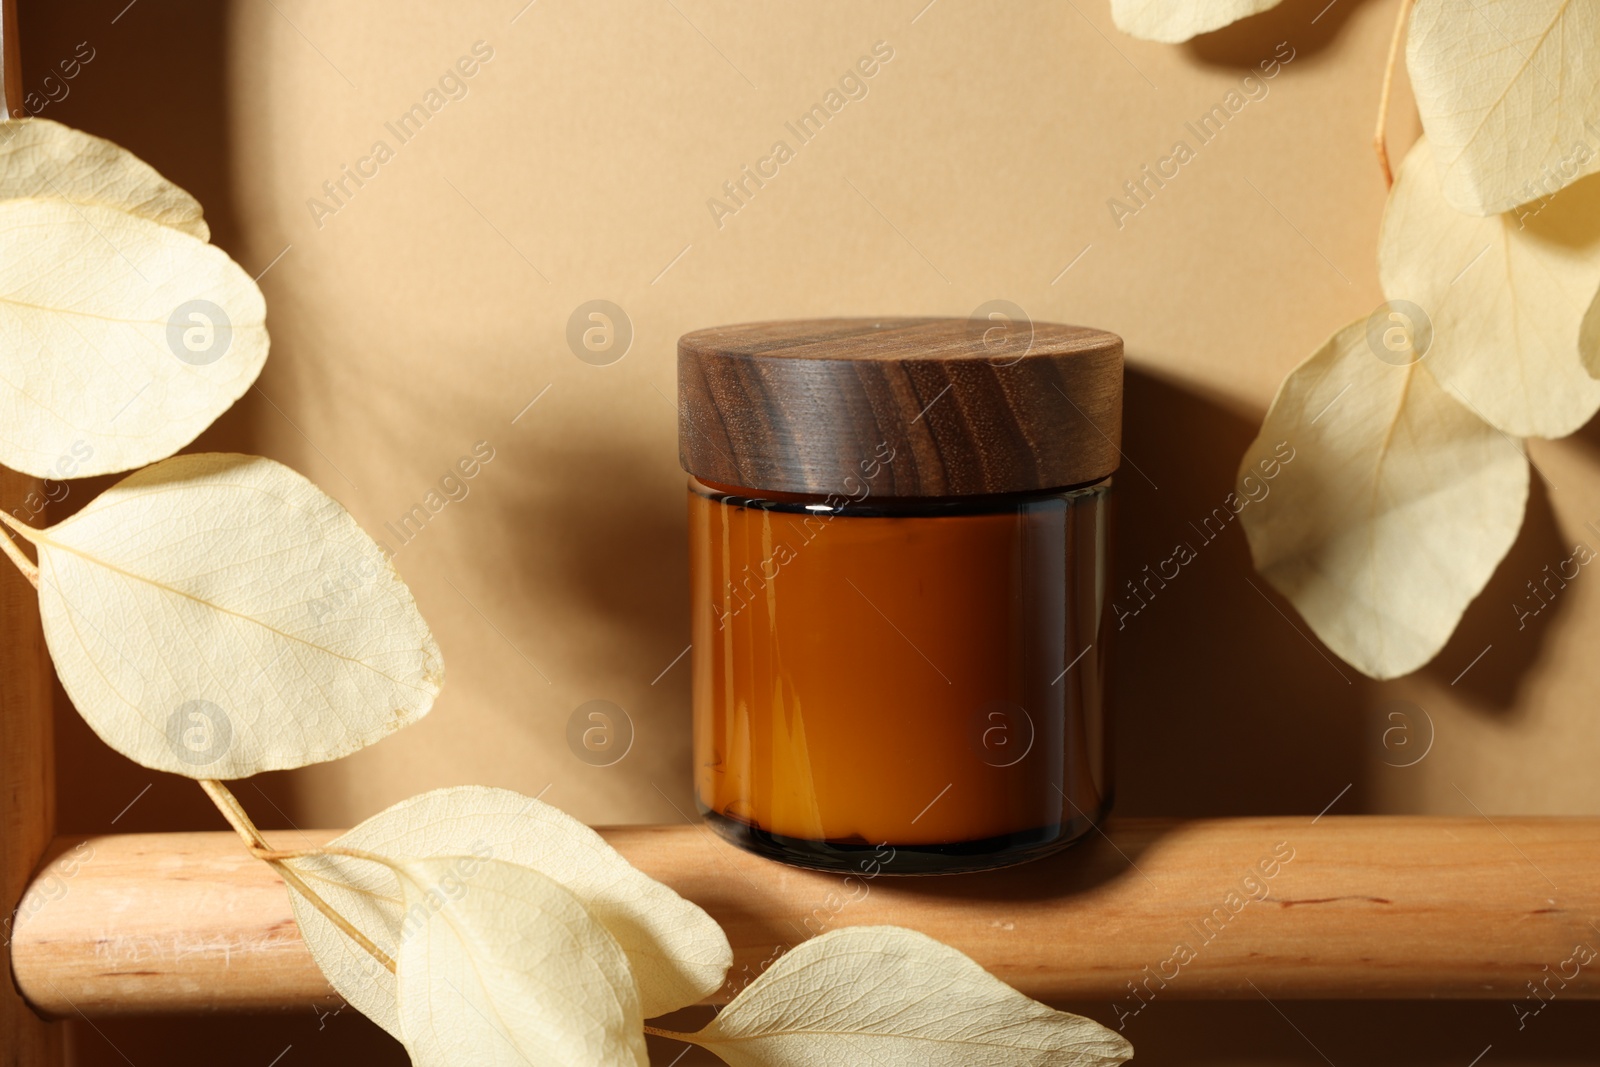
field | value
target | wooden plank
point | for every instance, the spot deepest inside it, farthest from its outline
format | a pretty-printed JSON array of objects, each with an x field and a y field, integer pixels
[
  {"x": 27, "y": 749},
  {"x": 10, "y": 63},
  {"x": 1357, "y": 907},
  {"x": 27, "y": 777}
]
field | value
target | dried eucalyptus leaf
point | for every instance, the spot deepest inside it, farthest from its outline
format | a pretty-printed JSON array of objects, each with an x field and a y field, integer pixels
[
  {"x": 1589, "y": 337},
  {"x": 1390, "y": 503},
  {"x": 218, "y": 615},
  {"x": 504, "y": 966},
  {"x": 120, "y": 338},
  {"x": 896, "y": 998},
  {"x": 677, "y": 953},
  {"x": 41, "y": 159},
  {"x": 1505, "y": 296},
  {"x": 1509, "y": 94},
  {"x": 1174, "y": 21}
]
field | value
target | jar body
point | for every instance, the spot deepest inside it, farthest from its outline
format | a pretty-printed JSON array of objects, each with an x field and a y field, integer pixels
[{"x": 917, "y": 685}]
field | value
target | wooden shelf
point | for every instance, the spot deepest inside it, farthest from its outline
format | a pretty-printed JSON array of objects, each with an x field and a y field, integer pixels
[{"x": 1367, "y": 907}]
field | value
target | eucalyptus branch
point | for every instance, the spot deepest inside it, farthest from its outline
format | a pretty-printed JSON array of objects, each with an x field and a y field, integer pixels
[
  {"x": 257, "y": 845},
  {"x": 24, "y": 564},
  {"x": 234, "y": 812},
  {"x": 279, "y": 855},
  {"x": 276, "y": 855},
  {"x": 1380, "y": 136},
  {"x": 655, "y": 1031}
]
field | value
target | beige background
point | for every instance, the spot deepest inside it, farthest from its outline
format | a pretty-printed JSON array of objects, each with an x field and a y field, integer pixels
[{"x": 429, "y": 310}]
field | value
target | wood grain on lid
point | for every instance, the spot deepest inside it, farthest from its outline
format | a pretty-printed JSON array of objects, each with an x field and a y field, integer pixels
[{"x": 966, "y": 407}]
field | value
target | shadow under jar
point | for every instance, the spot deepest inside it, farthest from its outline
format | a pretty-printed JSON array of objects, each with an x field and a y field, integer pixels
[{"x": 898, "y": 538}]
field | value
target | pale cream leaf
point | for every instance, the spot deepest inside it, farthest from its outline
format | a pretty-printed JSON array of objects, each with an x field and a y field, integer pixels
[
  {"x": 1589, "y": 337},
  {"x": 499, "y": 965},
  {"x": 120, "y": 338},
  {"x": 218, "y": 615},
  {"x": 1509, "y": 94},
  {"x": 1172, "y": 21},
  {"x": 893, "y": 997},
  {"x": 1505, "y": 295},
  {"x": 677, "y": 953},
  {"x": 41, "y": 159},
  {"x": 1388, "y": 503}
]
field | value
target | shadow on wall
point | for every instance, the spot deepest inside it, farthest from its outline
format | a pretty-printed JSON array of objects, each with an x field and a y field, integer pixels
[
  {"x": 1226, "y": 704},
  {"x": 1495, "y": 648},
  {"x": 620, "y": 549},
  {"x": 603, "y": 555},
  {"x": 1308, "y": 26}
]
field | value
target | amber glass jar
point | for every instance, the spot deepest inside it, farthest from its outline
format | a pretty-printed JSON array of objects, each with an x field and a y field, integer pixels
[{"x": 898, "y": 538}]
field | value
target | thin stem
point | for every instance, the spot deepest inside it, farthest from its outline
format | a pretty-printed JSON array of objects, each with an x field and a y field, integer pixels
[
  {"x": 276, "y": 855},
  {"x": 288, "y": 874},
  {"x": 688, "y": 1039},
  {"x": 1380, "y": 136},
  {"x": 234, "y": 812},
  {"x": 237, "y": 818},
  {"x": 279, "y": 855},
  {"x": 28, "y": 532}
]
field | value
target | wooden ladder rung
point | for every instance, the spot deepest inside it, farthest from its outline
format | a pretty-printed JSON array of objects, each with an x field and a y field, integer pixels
[{"x": 1367, "y": 907}]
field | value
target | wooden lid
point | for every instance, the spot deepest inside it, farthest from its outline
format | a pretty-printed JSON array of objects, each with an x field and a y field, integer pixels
[{"x": 966, "y": 407}]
